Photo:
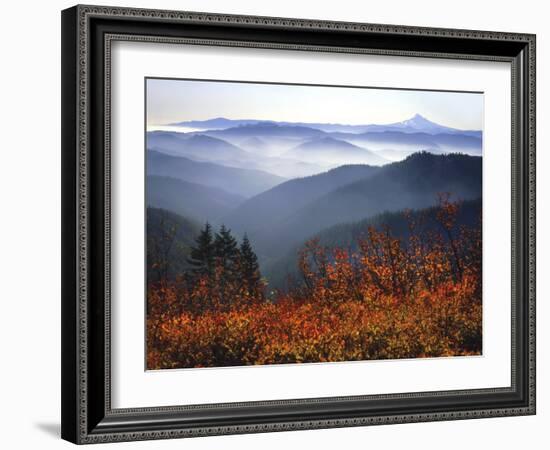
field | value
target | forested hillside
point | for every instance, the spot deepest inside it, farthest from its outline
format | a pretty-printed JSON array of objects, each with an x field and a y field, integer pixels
[
  {"x": 285, "y": 270},
  {"x": 391, "y": 298},
  {"x": 412, "y": 183}
]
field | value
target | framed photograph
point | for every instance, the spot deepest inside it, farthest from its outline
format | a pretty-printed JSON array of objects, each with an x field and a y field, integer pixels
[{"x": 267, "y": 222}]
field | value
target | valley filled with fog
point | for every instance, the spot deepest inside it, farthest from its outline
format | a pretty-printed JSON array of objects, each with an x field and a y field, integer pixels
[{"x": 282, "y": 183}]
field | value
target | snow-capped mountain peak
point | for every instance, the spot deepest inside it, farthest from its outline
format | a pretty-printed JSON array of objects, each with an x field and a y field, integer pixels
[{"x": 420, "y": 123}]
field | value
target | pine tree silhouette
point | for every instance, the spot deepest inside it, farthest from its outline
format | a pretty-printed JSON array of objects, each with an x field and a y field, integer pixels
[
  {"x": 226, "y": 252},
  {"x": 231, "y": 270},
  {"x": 250, "y": 269},
  {"x": 203, "y": 253},
  {"x": 227, "y": 262}
]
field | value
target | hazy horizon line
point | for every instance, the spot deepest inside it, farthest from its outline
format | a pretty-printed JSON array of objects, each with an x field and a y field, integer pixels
[{"x": 343, "y": 124}]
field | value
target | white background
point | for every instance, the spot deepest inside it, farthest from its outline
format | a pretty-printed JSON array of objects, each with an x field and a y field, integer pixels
[
  {"x": 132, "y": 387},
  {"x": 30, "y": 225}
]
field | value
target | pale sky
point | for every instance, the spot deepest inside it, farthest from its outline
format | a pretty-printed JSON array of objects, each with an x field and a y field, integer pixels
[{"x": 170, "y": 101}]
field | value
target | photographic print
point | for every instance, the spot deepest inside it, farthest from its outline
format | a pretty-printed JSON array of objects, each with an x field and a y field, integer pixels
[{"x": 294, "y": 224}]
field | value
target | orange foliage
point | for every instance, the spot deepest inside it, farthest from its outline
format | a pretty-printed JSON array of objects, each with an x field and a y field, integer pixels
[{"x": 392, "y": 298}]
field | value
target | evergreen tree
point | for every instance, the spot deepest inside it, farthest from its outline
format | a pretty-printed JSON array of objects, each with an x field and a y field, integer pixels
[
  {"x": 250, "y": 269},
  {"x": 227, "y": 260},
  {"x": 226, "y": 252},
  {"x": 203, "y": 253}
]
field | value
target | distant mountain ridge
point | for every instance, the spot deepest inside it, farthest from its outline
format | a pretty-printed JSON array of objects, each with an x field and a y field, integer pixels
[
  {"x": 334, "y": 151},
  {"x": 212, "y": 147},
  {"x": 243, "y": 182},
  {"x": 194, "y": 201},
  {"x": 268, "y": 129},
  {"x": 297, "y": 149},
  {"x": 200, "y": 147},
  {"x": 417, "y": 123},
  {"x": 286, "y": 198},
  {"x": 381, "y": 141},
  {"x": 411, "y": 183}
]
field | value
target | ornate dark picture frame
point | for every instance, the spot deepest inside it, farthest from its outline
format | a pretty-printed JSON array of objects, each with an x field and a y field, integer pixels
[{"x": 87, "y": 34}]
